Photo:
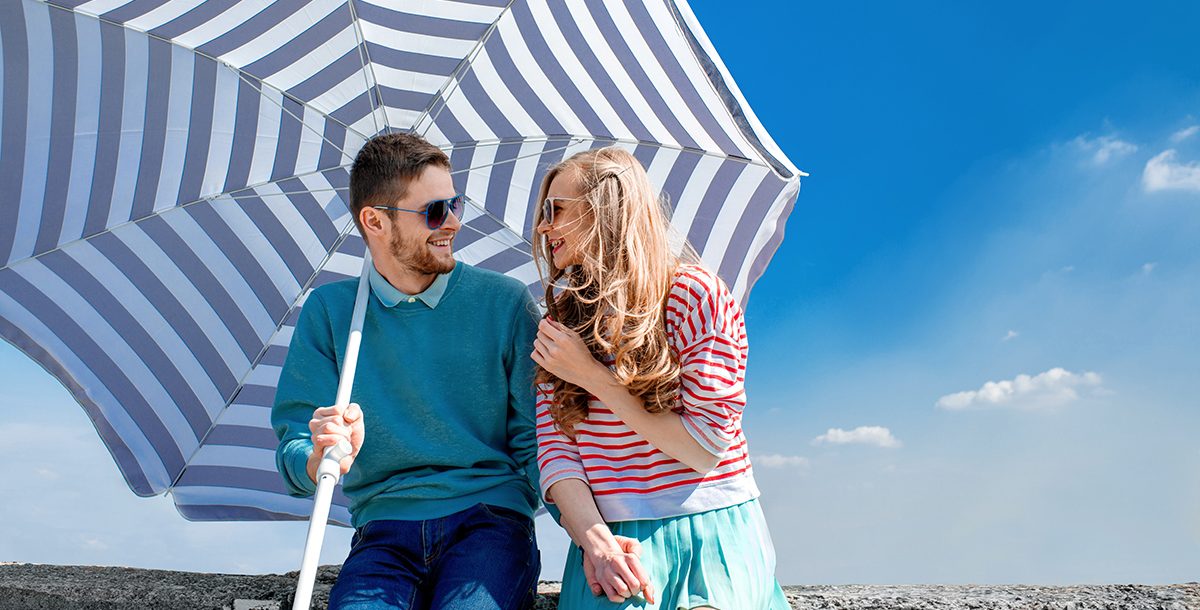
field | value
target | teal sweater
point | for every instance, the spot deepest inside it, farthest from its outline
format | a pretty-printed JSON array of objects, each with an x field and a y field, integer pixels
[{"x": 446, "y": 393}]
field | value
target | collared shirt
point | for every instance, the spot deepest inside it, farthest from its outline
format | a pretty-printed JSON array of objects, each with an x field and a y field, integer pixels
[{"x": 390, "y": 296}]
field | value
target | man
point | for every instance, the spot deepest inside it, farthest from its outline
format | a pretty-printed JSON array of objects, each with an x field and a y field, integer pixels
[{"x": 441, "y": 489}]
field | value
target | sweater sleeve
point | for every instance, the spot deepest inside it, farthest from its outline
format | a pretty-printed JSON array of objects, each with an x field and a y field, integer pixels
[
  {"x": 308, "y": 380},
  {"x": 558, "y": 455},
  {"x": 522, "y": 439},
  {"x": 710, "y": 335}
]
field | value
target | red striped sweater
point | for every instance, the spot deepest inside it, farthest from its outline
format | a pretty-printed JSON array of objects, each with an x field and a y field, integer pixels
[{"x": 630, "y": 478}]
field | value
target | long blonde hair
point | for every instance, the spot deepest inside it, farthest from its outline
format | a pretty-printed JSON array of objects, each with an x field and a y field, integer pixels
[{"x": 616, "y": 297}]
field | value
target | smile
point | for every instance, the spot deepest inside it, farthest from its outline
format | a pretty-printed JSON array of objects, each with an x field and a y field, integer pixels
[
  {"x": 442, "y": 243},
  {"x": 555, "y": 244}
]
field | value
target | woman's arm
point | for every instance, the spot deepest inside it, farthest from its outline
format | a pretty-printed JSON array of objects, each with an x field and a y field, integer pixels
[
  {"x": 613, "y": 560},
  {"x": 663, "y": 430},
  {"x": 564, "y": 354}
]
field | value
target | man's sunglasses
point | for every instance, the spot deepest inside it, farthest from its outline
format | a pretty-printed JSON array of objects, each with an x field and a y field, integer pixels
[{"x": 436, "y": 212}]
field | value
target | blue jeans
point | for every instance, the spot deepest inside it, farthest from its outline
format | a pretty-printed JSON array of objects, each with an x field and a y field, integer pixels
[{"x": 482, "y": 558}]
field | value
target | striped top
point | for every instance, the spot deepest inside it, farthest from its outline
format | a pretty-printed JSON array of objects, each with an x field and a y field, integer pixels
[{"x": 630, "y": 478}]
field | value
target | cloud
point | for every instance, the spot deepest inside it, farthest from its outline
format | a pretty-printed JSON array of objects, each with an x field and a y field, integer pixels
[
  {"x": 94, "y": 544},
  {"x": 1184, "y": 134},
  {"x": 1148, "y": 268},
  {"x": 1164, "y": 173},
  {"x": 1104, "y": 148},
  {"x": 774, "y": 460},
  {"x": 1055, "y": 387},
  {"x": 1010, "y": 335},
  {"x": 862, "y": 435}
]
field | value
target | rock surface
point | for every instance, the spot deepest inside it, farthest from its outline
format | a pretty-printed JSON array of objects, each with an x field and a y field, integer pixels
[{"x": 47, "y": 587}]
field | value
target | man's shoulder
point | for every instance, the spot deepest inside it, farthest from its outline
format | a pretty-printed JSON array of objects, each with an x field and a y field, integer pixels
[{"x": 335, "y": 295}]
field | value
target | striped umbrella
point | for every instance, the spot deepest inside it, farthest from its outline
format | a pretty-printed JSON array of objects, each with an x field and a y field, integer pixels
[{"x": 174, "y": 178}]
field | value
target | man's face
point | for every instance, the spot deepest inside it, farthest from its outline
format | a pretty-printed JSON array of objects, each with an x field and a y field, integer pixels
[{"x": 413, "y": 243}]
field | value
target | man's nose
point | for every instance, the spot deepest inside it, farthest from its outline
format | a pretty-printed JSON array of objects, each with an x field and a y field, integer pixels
[{"x": 453, "y": 222}]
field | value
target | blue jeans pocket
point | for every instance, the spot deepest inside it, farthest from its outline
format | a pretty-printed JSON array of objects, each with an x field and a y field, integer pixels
[
  {"x": 510, "y": 516},
  {"x": 359, "y": 534}
]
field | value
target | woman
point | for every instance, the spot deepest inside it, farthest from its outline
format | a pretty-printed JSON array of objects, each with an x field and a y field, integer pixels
[{"x": 641, "y": 362}]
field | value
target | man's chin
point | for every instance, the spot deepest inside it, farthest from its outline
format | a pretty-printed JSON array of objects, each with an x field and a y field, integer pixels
[{"x": 445, "y": 263}]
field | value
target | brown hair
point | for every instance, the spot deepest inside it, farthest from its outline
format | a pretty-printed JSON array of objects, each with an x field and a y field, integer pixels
[
  {"x": 386, "y": 165},
  {"x": 616, "y": 297}
]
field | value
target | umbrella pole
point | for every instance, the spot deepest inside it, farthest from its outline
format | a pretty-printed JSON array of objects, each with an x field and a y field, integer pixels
[{"x": 329, "y": 471}]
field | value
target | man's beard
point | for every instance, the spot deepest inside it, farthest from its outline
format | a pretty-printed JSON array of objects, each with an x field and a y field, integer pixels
[{"x": 415, "y": 255}]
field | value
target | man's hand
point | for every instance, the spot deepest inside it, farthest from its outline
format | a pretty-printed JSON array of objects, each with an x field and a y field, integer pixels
[
  {"x": 628, "y": 564},
  {"x": 328, "y": 426}
]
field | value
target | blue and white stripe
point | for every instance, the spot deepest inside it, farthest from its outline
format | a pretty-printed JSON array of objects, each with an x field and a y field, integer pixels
[{"x": 175, "y": 177}]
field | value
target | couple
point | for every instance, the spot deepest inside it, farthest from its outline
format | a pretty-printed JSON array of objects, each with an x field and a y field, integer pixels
[{"x": 623, "y": 405}]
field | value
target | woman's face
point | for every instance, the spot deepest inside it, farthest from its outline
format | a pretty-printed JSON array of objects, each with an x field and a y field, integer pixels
[{"x": 572, "y": 221}]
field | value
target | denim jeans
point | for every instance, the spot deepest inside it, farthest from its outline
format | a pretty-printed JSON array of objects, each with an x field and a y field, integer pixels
[{"x": 482, "y": 558}]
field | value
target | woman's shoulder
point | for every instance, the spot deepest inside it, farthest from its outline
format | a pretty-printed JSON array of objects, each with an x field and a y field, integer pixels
[{"x": 693, "y": 282}]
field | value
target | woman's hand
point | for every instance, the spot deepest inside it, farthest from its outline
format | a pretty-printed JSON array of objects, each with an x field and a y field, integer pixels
[
  {"x": 563, "y": 353},
  {"x": 628, "y": 546},
  {"x": 617, "y": 572}
]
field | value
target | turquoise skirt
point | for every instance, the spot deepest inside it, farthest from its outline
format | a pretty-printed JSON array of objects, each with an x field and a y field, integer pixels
[{"x": 720, "y": 558}]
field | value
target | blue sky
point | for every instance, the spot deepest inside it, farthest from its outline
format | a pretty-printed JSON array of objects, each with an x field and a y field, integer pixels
[{"x": 1005, "y": 194}]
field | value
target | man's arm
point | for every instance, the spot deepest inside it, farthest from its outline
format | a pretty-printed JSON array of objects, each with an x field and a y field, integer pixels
[
  {"x": 308, "y": 380},
  {"x": 522, "y": 437}
]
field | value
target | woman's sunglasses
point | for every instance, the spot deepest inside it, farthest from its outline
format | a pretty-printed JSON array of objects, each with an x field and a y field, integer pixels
[
  {"x": 548, "y": 207},
  {"x": 436, "y": 212}
]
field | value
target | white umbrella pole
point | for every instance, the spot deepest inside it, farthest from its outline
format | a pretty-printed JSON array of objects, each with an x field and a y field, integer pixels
[{"x": 329, "y": 470}]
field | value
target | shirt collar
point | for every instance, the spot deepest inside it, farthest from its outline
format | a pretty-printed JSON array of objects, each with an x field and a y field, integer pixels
[{"x": 390, "y": 296}]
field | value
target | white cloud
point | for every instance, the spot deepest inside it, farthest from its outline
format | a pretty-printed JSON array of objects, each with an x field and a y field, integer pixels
[
  {"x": 1104, "y": 148},
  {"x": 863, "y": 435},
  {"x": 1055, "y": 387},
  {"x": 1148, "y": 268},
  {"x": 774, "y": 460},
  {"x": 1010, "y": 335},
  {"x": 1184, "y": 134},
  {"x": 1164, "y": 173},
  {"x": 94, "y": 544}
]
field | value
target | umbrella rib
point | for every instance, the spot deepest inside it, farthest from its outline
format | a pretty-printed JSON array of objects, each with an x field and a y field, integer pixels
[
  {"x": 345, "y": 232},
  {"x": 497, "y": 142},
  {"x": 726, "y": 93},
  {"x": 492, "y": 237},
  {"x": 260, "y": 83},
  {"x": 581, "y": 139},
  {"x": 207, "y": 199},
  {"x": 572, "y": 142},
  {"x": 451, "y": 85},
  {"x": 499, "y": 221},
  {"x": 262, "y": 352},
  {"x": 242, "y": 74},
  {"x": 365, "y": 57},
  {"x": 289, "y": 193}
]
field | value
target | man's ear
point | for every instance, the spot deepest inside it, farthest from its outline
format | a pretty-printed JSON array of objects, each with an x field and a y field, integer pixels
[{"x": 371, "y": 221}]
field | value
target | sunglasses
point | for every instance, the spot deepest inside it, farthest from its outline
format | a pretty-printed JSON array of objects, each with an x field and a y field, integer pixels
[
  {"x": 436, "y": 212},
  {"x": 548, "y": 207},
  {"x": 548, "y": 203}
]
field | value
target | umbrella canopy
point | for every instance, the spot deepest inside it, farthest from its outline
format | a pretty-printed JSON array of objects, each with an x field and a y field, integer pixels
[{"x": 174, "y": 179}]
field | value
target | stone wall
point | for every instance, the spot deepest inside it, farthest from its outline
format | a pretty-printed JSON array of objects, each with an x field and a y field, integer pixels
[{"x": 45, "y": 587}]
